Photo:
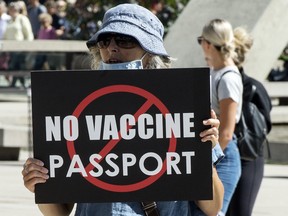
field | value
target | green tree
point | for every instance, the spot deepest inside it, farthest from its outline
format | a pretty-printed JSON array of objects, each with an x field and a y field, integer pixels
[{"x": 85, "y": 17}]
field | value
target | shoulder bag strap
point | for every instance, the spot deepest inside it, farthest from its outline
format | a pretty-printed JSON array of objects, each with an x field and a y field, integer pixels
[{"x": 150, "y": 208}]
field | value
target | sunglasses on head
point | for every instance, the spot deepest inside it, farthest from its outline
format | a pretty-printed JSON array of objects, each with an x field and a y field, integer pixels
[{"x": 121, "y": 40}]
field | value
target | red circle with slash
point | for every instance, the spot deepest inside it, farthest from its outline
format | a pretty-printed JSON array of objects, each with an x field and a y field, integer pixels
[{"x": 150, "y": 100}]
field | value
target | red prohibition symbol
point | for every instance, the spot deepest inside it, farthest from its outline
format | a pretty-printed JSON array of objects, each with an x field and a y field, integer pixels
[{"x": 150, "y": 101}]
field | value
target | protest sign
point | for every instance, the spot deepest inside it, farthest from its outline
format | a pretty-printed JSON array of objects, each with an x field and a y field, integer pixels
[{"x": 122, "y": 135}]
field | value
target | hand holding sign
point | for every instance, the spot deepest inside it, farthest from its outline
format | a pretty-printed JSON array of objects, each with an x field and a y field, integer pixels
[
  {"x": 211, "y": 134},
  {"x": 34, "y": 173}
]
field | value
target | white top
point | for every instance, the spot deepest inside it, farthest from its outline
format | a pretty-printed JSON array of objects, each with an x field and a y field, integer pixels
[
  {"x": 230, "y": 86},
  {"x": 19, "y": 29},
  {"x": 4, "y": 18}
]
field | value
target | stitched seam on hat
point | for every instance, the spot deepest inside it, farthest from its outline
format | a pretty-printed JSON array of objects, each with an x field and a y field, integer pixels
[{"x": 140, "y": 20}]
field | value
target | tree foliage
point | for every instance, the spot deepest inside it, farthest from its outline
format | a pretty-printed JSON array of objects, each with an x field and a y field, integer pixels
[{"x": 84, "y": 18}]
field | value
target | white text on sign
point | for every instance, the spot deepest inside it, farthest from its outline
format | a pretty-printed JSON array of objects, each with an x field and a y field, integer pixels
[
  {"x": 104, "y": 127},
  {"x": 128, "y": 160}
]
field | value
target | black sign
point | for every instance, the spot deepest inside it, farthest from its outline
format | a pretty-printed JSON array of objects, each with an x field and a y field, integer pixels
[{"x": 122, "y": 135}]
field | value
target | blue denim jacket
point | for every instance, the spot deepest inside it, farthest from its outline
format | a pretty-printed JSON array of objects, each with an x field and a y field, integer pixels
[
  {"x": 167, "y": 208},
  {"x": 171, "y": 208}
]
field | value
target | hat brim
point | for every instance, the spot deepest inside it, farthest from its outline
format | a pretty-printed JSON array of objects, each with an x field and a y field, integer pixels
[{"x": 148, "y": 41}]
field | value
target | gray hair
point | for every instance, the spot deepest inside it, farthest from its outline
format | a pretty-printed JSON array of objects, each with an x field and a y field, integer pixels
[{"x": 155, "y": 61}]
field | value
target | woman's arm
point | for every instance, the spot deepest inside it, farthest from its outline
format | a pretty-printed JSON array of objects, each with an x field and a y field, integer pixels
[
  {"x": 212, "y": 207},
  {"x": 34, "y": 173},
  {"x": 228, "y": 110},
  {"x": 56, "y": 209}
]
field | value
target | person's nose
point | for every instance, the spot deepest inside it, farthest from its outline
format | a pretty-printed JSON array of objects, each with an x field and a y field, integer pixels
[{"x": 112, "y": 46}]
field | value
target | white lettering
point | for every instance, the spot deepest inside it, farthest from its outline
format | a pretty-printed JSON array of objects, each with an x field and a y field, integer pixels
[
  {"x": 159, "y": 126},
  {"x": 173, "y": 125},
  {"x": 173, "y": 159},
  {"x": 188, "y": 124},
  {"x": 94, "y": 129},
  {"x": 99, "y": 168},
  {"x": 188, "y": 156},
  {"x": 53, "y": 128},
  {"x": 109, "y": 161},
  {"x": 56, "y": 161},
  {"x": 106, "y": 127},
  {"x": 128, "y": 161},
  {"x": 110, "y": 128},
  {"x": 76, "y": 166},
  {"x": 127, "y": 121},
  {"x": 143, "y": 121},
  {"x": 157, "y": 169},
  {"x": 70, "y": 128}
]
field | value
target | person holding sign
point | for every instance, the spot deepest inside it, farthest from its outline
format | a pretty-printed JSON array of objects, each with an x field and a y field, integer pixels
[{"x": 131, "y": 37}]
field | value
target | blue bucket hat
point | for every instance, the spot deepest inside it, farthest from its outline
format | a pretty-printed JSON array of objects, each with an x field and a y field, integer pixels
[{"x": 135, "y": 21}]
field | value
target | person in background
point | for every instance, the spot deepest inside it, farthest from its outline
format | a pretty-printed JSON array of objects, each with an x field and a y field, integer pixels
[
  {"x": 123, "y": 40},
  {"x": 156, "y": 6},
  {"x": 57, "y": 22},
  {"x": 46, "y": 32},
  {"x": 66, "y": 26},
  {"x": 34, "y": 10},
  {"x": 4, "y": 19},
  {"x": 23, "y": 8},
  {"x": 57, "y": 60},
  {"x": 217, "y": 42},
  {"x": 19, "y": 29},
  {"x": 245, "y": 195}
]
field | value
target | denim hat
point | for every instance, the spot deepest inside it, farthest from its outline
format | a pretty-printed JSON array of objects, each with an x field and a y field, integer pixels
[{"x": 135, "y": 21}]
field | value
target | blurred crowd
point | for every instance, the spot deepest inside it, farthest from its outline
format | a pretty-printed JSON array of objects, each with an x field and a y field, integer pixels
[
  {"x": 32, "y": 20},
  {"x": 47, "y": 14},
  {"x": 56, "y": 20}
]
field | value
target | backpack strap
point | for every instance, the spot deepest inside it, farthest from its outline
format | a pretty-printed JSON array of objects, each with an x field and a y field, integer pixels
[
  {"x": 150, "y": 208},
  {"x": 268, "y": 148},
  {"x": 217, "y": 84},
  {"x": 252, "y": 92}
]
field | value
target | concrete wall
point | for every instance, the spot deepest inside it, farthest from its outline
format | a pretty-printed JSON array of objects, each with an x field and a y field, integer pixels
[{"x": 266, "y": 19}]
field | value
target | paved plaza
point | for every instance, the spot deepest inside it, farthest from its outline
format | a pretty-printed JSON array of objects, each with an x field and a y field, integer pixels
[{"x": 16, "y": 200}]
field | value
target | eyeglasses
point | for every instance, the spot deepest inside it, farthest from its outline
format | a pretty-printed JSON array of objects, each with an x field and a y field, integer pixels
[
  {"x": 200, "y": 39},
  {"x": 122, "y": 41}
]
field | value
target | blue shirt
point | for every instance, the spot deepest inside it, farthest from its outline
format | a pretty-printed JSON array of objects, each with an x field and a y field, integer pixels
[{"x": 167, "y": 208}]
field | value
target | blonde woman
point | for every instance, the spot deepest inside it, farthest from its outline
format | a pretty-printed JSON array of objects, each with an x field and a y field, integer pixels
[{"x": 217, "y": 41}]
